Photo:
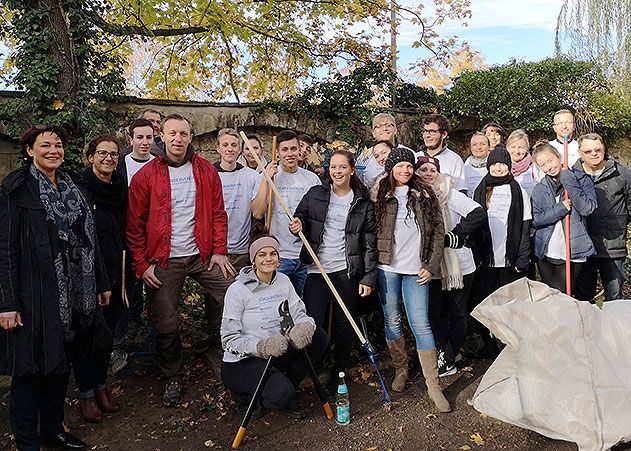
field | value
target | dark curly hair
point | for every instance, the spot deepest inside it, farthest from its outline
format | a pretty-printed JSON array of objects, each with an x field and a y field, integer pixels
[{"x": 427, "y": 198}]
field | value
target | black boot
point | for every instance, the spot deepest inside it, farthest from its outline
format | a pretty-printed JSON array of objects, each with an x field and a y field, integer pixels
[{"x": 63, "y": 440}]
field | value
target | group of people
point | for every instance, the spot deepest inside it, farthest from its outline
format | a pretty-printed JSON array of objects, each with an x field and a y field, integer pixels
[{"x": 429, "y": 233}]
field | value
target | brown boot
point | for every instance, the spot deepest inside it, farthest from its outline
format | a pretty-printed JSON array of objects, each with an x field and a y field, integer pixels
[
  {"x": 429, "y": 364},
  {"x": 106, "y": 402},
  {"x": 400, "y": 363},
  {"x": 90, "y": 410}
]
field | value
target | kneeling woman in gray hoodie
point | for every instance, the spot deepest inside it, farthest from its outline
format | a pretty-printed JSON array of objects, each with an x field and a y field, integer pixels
[{"x": 251, "y": 333}]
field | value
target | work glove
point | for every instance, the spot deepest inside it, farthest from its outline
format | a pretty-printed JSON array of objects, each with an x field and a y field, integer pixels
[
  {"x": 273, "y": 346},
  {"x": 301, "y": 334}
]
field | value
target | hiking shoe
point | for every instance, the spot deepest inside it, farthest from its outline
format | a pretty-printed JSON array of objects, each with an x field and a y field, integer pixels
[
  {"x": 118, "y": 361},
  {"x": 296, "y": 411},
  {"x": 242, "y": 403},
  {"x": 445, "y": 368},
  {"x": 172, "y": 394}
]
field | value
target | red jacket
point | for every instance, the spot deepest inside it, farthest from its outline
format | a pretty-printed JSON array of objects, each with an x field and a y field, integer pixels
[{"x": 149, "y": 214}]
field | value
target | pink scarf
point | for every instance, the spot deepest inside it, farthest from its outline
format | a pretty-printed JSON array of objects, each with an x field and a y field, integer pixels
[{"x": 521, "y": 166}]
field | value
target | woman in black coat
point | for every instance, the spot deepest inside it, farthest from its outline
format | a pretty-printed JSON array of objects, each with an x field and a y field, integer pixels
[
  {"x": 338, "y": 220},
  {"x": 106, "y": 191},
  {"x": 51, "y": 282}
]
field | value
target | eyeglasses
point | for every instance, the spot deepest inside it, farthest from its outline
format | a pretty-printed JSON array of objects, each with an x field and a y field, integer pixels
[
  {"x": 593, "y": 151},
  {"x": 384, "y": 126},
  {"x": 427, "y": 131},
  {"x": 564, "y": 123},
  {"x": 103, "y": 154}
]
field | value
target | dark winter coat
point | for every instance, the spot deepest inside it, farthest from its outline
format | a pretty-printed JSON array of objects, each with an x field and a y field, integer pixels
[
  {"x": 360, "y": 240},
  {"x": 547, "y": 212},
  {"x": 432, "y": 237},
  {"x": 607, "y": 225},
  {"x": 28, "y": 284}
]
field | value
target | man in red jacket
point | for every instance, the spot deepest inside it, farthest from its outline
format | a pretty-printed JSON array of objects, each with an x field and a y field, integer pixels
[{"x": 177, "y": 227}]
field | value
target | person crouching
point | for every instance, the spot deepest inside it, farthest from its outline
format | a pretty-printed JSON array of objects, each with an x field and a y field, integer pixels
[{"x": 251, "y": 333}]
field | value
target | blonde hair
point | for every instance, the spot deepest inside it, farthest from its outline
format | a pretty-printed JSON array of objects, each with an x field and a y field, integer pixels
[
  {"x": 518, "y": 135},
  {"x": 228, "y": 132},
  {"x": 383, "y": 117}
]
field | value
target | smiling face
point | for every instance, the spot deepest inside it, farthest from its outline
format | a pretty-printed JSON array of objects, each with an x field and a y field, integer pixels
[
  {"x": 384, "y": 130},
  {"x": 402, "y": 173},
  {"x": 176, "y": 135},
  {"x": 563, "y": 125},
  {"x": 518, "y": 149},
  {"x": 433, "y": 136},
  {"x": 228, "y": 148},
  {"x": 498, "y": 169},
  {"x": 104, "y": 160},
  {"x": 288, "y": 152},
  {"x": 266, "y": 260},
  {"x": 549, "y": 163},
  {"x": 47, "y": 153},
  {"x": 429, "y": 173},
  {"x": 480, "y": 146},
  {"x": 381, "y": 152},
  {"x": 592, "y": 152},
  {"x": 248, "y": 155},
  {"x": 305, "y": 151},
  {"x": 494, "y": 135},
  {"x": 340, "y": 171}
]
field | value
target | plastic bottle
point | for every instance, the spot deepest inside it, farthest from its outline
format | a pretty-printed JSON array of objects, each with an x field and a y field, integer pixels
[{"x": 342, "y": 404}]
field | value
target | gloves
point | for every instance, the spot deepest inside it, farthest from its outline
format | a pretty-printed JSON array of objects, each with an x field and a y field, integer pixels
[
  {"x": 301, "y": 334},
  {"x": 451, "y": 241},
  {"x": 274, "y": 346}
]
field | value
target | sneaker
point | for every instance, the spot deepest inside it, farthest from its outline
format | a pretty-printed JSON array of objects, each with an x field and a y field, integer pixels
[
  {"x": 172, "y": 394},
  {"x": 445, "y": 368},
  {"x": 118, "y": 361}
]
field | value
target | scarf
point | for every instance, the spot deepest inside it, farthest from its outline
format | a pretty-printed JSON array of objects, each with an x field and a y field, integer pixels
[
  {"x": 483, "y": 240},
  {"x": 111, "y": 196},
  {"x": 521, "y": 166},
  {"x": 451, "y": 276},
  {"x": 74, "y": 261},
  {"x": 474, "y": 162}
]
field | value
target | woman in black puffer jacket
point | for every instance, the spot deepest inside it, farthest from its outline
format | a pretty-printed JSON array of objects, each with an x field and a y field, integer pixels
[{"x": 338, "y": 220}]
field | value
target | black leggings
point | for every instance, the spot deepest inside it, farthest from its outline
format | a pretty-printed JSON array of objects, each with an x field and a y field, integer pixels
[
  {"x": 279, "y": 392},
  {"x": 553, "y": 274},
  {"x": 448, "y": 316},
  {"x": 317, "y": 298},
  {"x": 37, "y": 400}
]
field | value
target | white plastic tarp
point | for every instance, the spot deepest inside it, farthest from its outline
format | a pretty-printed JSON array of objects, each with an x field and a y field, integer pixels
[{"x": 566, "y": 369}]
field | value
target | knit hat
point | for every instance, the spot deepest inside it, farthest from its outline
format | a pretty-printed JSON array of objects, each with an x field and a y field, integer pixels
[
  {"x": 499, "y": 155},
  {"x": 397, "y": 156},
  {"x": 264, "y": 241},
  {"x": 423, "y": 159}
]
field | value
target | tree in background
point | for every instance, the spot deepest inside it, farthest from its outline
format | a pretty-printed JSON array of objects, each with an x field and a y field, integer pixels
[{"x": 598, "y": 31}]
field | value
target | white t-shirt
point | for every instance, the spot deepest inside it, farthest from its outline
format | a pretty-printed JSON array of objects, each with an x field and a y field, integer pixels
[
  {"x": 332, "y": 251},
  {"x": 452, "y": 165},
  {"x": 459, "y": 206},
  {"x": 556, "y": 245},
  {"x": 133, "y": 166},
  {"x": 239, "y": 189},
  {"x": 473, "y": 176},
  {"x": 292, "y": 186},
  {"x": 498, "y": 220},
  {"x": 527, "y": 180},
  {"x": 572, "y": 151},
  {"x": 406, "y": 254},
  {"x": 183, "y": 190}
]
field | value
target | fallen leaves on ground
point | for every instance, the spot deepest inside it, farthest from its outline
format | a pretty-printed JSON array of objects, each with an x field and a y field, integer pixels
[{"x": 477, "y": 439}]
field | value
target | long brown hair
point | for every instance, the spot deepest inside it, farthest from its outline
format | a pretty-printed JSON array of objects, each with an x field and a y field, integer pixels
[{"x": 427, "y": 198}]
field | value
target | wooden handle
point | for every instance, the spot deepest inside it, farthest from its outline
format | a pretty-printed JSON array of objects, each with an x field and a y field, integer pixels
[
  {"x": 270, "y": 195},
  {"x": 238, "y": 438}
]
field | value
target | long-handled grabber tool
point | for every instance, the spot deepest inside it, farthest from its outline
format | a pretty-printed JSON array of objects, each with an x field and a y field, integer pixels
[
  {"x": 286, "y": 324},
  {"x": 568, "y": 253},
  {"x": 363, "y": 340}
]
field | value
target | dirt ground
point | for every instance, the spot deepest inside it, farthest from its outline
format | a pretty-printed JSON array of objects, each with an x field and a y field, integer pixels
[{"x": 207, "y": 419}]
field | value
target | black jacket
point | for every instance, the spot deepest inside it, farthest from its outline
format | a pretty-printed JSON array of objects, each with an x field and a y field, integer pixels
[
  {"x": 28, "y": 284},
  {"x": 360, "y": 239},
  {"x": 607, "y": 225}
]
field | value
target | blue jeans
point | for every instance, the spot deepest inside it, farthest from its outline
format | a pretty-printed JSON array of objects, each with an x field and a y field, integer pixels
[
  {"x": 296, "y": 271},
  {"x": 395, "y": 288},
  {"x": 611, "y": 275}
]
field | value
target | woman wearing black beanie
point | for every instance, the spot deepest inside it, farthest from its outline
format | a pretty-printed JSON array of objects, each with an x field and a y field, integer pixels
[{"x": 502, "y": 247}]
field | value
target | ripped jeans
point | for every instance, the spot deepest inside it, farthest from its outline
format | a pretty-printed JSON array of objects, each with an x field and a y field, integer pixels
[{"x": 398, "y": 290}]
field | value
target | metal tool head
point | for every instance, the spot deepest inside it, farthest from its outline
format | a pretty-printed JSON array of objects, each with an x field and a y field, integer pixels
[{"x": 286, "y": 321}]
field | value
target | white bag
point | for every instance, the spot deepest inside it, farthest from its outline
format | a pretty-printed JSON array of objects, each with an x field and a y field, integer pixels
[{"x": 566, "y": 369}]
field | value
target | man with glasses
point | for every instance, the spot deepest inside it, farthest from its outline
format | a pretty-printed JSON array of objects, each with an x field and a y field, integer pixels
[
  {"x": 383, "y": 129},
  {"x": 563, "y": 125},
  {"x": 436, "y": 128},
  {"x": 177, "y": 227},
  {"x": 607, "y": 225}
]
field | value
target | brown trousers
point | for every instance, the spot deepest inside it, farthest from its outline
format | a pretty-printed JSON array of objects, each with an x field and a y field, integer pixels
[{"x": 165, "y": 305}]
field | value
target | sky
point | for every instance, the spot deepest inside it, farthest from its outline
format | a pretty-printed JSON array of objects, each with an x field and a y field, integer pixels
[{"x": 500, "y": 30}]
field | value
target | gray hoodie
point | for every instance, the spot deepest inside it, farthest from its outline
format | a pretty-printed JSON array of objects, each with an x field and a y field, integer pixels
[{"x": 250, "y": 312}]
